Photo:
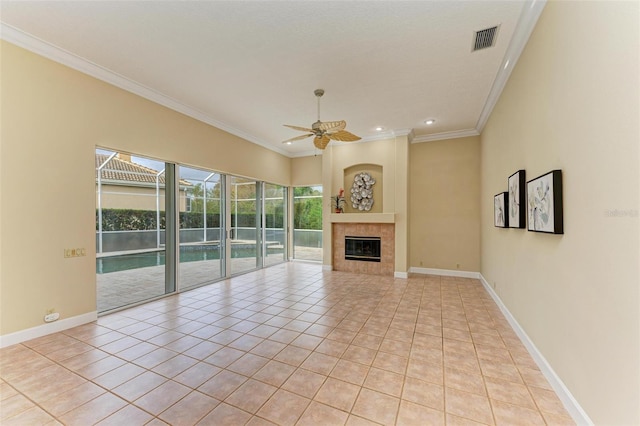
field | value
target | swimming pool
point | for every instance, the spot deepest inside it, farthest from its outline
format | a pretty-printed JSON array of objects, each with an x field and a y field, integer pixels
[{"x": 188, "y": 253}]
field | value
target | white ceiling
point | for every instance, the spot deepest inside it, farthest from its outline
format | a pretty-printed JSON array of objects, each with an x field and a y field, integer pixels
[{"x": 249, "y": 67}]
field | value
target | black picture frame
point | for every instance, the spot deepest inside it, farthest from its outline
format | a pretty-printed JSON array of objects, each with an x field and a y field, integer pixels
[
  {"x": 500, "y": 208},
  {"x": 544, "y": 203},
  {"x": 517, "y": 200}
]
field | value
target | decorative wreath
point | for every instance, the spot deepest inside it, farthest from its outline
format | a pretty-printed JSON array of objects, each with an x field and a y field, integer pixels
[{"x": 362, "y": 191}]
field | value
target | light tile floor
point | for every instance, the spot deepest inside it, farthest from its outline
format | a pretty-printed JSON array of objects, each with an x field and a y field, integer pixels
[{"x": 286, "y": 345}]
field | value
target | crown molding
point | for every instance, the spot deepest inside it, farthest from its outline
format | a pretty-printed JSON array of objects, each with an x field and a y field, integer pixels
[
  {"x": 313, "y": 153},
  {"x": 526, "y": 22},
  {"x": 391, "y": 134},
  {"x": 403, "y": 132},
  {"x": 64, "y": 57},
  {"x": 445, "y": 135},
  {"x": 379, "y": 137},
  {"x": 411, "y": 136}
]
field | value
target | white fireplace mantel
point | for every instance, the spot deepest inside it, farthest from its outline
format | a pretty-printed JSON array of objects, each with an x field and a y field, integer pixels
[{"x": 363, "y": 218}]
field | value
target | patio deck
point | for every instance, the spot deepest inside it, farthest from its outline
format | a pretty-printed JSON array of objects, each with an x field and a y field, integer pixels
[{"x": 117, "y": 289}]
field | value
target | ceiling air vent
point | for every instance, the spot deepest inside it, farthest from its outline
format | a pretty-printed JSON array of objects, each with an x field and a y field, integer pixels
[{"x": 485, "y": 38}]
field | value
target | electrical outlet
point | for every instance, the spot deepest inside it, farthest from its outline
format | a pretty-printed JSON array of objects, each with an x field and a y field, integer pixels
[
  {"x": 51, "y": 317},
  {"x": 457, "y": 265},
  {"x": 421, "y": 263},
  {"x": 75, "y": 252}
]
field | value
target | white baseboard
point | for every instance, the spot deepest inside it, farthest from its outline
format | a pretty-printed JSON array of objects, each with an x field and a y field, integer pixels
[
  {"x": 444, "y": 272},
  {"x": 570, "y": 404},
  {"x": 400, "y": 275},
  {"x": 44, "y": 329},
  {"x": 327, "y": 267}
]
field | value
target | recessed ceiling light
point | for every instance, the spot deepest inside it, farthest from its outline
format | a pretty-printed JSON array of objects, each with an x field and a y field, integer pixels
[
  {"x": 429, "y": 122},
  {"x": 379, "y": 129},
  {"x": 289, "y": 143}
]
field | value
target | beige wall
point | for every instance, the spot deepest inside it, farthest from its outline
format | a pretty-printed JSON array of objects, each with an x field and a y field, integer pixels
[
  {"x": 572, "y": 103},
  {"x": 380, "y": 153},
  {"x": 57, "y": 118},
  {"x": 444, "y": 204},
  {"x": 306, "y": 171}
]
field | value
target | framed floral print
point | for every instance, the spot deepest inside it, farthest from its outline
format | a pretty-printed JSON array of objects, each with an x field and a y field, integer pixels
[
  {"x": 517, "y": 200},
  {"x": 544, "y": 203},
  {"x": 500, "y": 205}
]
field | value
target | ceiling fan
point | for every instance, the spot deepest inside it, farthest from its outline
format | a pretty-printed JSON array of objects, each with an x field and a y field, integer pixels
[{"x": 324, "y": 131}]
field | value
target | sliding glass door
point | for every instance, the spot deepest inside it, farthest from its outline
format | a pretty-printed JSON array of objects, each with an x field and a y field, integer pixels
[
  {"x": 244, "y": 227},
  {"x": 307, "y": 223},
  {"x": 275, "y": 219},
  {"x": 162, "y": 228},
  {"x": 201, "y": 205},
  {"x": 132, "y": 199}
]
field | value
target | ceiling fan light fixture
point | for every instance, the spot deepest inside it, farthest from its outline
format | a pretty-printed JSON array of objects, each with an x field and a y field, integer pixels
[{"x": 323, "y": 132}]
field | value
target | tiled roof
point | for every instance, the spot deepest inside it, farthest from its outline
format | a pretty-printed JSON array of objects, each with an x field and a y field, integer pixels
[{"x": 122, "y": 170}]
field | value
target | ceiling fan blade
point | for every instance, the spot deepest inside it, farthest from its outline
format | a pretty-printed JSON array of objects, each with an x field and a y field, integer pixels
[
  {"x": 333, "y": 126},
  {"x": 344, "y": 136},
  {"x": 302, "y": 129},
  {"x": 321, "y": 142},
  {"x": 297, "y": 138}
]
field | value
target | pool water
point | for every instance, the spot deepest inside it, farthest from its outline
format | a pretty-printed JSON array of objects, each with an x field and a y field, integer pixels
[{"x": 105, "y": 265}]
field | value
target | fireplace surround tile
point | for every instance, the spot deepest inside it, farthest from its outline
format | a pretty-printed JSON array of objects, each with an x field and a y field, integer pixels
[{"x": 386, "y": 231}]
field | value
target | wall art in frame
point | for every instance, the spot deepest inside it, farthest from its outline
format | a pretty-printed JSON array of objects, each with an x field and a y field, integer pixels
[
  {"x": 544, "y": 203},
  {"x": 517, "y": 200},
  {"x": 500, "y": 206}
]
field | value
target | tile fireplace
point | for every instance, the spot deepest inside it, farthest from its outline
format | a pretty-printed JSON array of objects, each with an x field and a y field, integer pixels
[{"x": 367, "y": 248}]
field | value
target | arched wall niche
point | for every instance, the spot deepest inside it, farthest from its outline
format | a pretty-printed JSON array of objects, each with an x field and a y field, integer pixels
[{"x": 376, "y": 172}]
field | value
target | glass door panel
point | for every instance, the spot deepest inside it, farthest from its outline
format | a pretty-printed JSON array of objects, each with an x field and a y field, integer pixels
[
  {"x": 201, "y": 208},
  {"x": 130, "y": 229},
  {"x": 307, "y": 223},
  {"x": 275, "y": 201},
  {"x": 244, "y": 227}
]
